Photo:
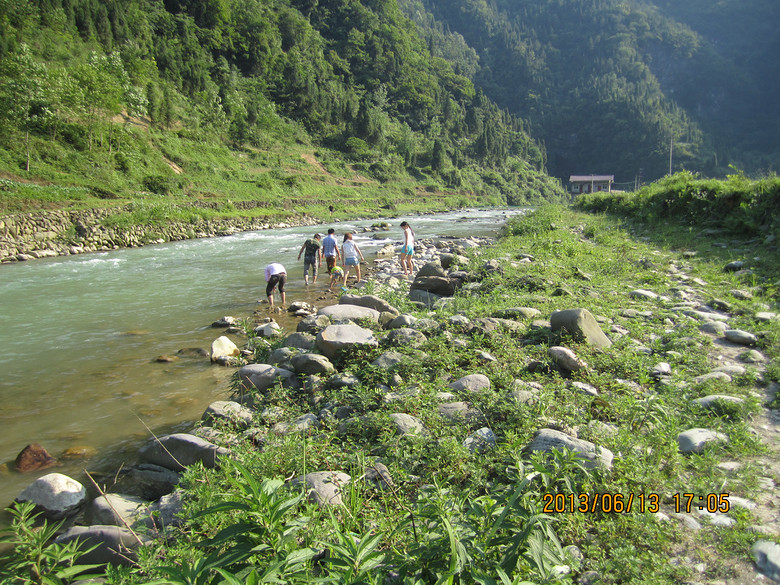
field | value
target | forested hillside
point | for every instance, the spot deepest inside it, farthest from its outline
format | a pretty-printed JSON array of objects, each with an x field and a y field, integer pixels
[
  {"x": 131, "y": 95},
  {"x": 610, "y": 85}
]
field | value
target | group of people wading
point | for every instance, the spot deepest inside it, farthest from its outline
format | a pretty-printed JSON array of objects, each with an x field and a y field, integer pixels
[{"x": 314, "y": 249}]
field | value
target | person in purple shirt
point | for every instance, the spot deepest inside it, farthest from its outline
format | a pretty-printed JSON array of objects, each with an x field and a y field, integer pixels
[{"x": 275, "y": 275}]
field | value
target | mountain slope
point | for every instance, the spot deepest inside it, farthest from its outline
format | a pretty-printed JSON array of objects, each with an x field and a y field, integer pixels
[
  {"x": 355, "y": 79},
  {"x": 609, "y": 85}
]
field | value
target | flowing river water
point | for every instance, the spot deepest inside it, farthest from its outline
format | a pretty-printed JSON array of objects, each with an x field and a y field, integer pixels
[{"x": 81, "y": 334}]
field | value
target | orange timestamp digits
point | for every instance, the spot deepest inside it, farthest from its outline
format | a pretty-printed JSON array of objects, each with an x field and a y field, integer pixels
[{"x": 600, "y": 502}]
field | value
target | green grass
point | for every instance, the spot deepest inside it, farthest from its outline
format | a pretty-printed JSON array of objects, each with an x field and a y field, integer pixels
[{"x": 459, "y": 517}]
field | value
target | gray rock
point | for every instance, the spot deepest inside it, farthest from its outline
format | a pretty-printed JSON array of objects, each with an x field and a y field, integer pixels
[
  {"x": 401, "y": 321},
  {"x": 740, "y": 337},
  {"x": 547, "y": 440},
  {"x": 335, "y": 338},
  {"x": 324, "y": 487},
  {"x": 471, "y": 383},
  {"x": 694, "y": 440},
  {"x": 312, "y": 363},
  {"x": 55, "y": 495},
  {"x": 302, "y": 424},
  {"x": 406, "y": 424},
  {"x": 405, "y": 337},
  {"x": 388, "y": 360},
  {"x": 225, "y": 411},
  {"x": 119, "y": 510},
  {"x": 115, "y": 545},
  {"x": 734, "y": 266},
  {"x": 313, "y": 324},
  {"x": 432, "y": 269},
  {"x": 712, "y": 376},
  {"x": 661, "y": 370},
  {"x": 581, "y": 325},
  {"x": 752, "y": 357},
  {"x": 566, "y": 359},
  {"x": 263, "y": 376},
  {"x": 168, "y": 510},
  {"x": 643, "y": 294},
  {"x": 342, "y": 380},
  {"x": 300, "y": 340},
  {"x": 711, "y": 401},
  {"x": 268, "y": 330},
  {"x": 349, "y": 313},
  {"x": 585, "y": 388},
  {"x": 713, "y": 327},
  {"x": 421, "y": 296},
  {"x": 481, "y": 441},
  {"x": 518, "y": 313},
  {"x": 766, "y": 554},
  {"x": 442, "y": 286},
  {"x": 369, "y": 301},
  {"x": 379, "y": 475},
  {"x": 147, "y": 481},
  {"x": 180, "y": 450}
]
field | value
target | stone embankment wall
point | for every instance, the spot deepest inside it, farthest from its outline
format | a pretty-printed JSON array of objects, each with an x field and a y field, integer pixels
[{"x": 60, "y": 233}]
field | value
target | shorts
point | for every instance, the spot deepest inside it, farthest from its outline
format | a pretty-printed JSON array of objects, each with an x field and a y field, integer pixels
[
  {"x": 279, "y": 279},
  {"x": 330, "y": 262},
  {"x": 407, "y": 250},
  {"x": 351, "y": 261},
  {"x": 310, "y": 261},
  {"x": 337, "y": 273}
]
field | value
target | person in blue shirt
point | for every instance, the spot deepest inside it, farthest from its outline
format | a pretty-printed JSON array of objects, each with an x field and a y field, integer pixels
[{"x": 330, "y": 249}]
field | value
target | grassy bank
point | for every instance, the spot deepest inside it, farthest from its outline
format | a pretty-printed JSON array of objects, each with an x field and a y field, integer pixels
[{"x": 453, "y": 516}]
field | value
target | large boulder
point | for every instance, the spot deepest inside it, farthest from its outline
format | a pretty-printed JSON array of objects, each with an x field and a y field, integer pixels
[
  {"x": 349, "y": 313},
  {"x": 55, "y": 495},
  {"x": 547, "y": 440},
  {"x": 581, "y": 325},
  {"x": 334, "y": 338},
  {"x": 370, "y": 301},
  {"x": 181, "y": 450}
]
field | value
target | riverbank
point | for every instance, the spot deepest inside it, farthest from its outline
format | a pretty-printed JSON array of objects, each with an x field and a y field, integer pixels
[
  {"x": 435, "y": 429},
  {"x": 46, "y": 234}
]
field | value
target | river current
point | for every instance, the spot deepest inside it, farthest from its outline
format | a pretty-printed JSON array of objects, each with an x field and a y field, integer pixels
[{"x": 81, "y": 334}]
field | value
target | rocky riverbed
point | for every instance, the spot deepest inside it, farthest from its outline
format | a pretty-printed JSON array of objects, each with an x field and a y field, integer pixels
[{"x": 569, "y": 344}]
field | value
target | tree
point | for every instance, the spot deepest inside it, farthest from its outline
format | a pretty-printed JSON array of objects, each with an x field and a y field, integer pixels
[{"x": 24, "y": 93}]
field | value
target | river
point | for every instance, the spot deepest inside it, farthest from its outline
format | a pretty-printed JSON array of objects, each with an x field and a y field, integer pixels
[{"x": 81, "y": 334}]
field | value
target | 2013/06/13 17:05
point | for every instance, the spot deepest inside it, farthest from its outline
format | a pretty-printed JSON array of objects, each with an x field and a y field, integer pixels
[{"x": 626, "y": 503}]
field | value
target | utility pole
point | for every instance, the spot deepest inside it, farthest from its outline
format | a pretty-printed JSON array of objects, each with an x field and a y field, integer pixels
[{"x": 671, "y": 144}]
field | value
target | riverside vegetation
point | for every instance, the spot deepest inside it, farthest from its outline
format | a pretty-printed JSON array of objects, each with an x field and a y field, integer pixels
[{"x": 450, "y": 514}]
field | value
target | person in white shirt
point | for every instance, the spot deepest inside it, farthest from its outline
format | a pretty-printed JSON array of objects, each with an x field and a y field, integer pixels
[
  {"x": 350, "y": 252},
  {"x": 275, "y": 275}
]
